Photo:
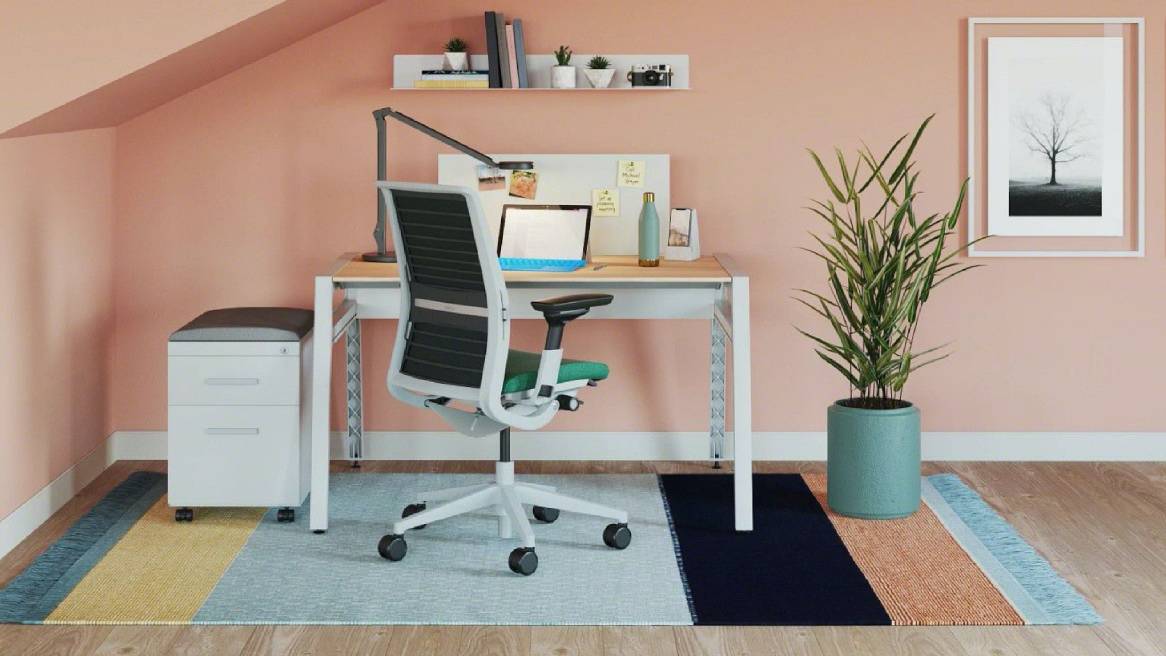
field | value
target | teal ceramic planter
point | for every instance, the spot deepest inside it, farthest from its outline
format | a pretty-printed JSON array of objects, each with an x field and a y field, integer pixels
[{"x": 872, "y": 461}]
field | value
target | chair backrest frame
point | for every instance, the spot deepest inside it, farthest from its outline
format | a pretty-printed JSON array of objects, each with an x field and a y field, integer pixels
[{"x": 428, "y": 300}]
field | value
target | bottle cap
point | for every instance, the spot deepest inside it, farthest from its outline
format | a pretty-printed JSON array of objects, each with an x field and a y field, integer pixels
[{"x": 649, "y": 197}]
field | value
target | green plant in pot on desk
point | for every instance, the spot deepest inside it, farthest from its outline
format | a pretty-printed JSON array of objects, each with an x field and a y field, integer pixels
[
  {"x": 883, "y": 260},
  {"x": 599, "y": 72}
]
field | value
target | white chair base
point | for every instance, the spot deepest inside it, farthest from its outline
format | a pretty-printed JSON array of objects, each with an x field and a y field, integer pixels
[{"x": 506, "y": 498}]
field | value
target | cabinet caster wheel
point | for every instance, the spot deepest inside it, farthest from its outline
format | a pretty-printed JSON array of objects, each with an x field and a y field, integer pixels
[
  {"x": 545, "y": 515},
  {"x": 413, "y": 509},
  {"x": 285, "y": 515},
  {"x": 617, "y": 536},
  {"x": 392, "y": 547},
  {"x": 523, "y": 561},
  {"x": 184, "y": 515}
]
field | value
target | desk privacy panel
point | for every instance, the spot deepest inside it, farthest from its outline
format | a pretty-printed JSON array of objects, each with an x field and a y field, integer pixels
[{"x": 570, "y": 179}]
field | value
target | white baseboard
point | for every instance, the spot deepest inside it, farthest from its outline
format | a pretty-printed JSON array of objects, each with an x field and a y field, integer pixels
[
  {"x": 20, "y": 523},
  {"x": 445, "y": 445},
  {"x": 549, "y": 445}
]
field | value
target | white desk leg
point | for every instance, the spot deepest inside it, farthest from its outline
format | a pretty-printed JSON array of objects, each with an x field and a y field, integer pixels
[
  {"x": 742, "y": 406},
  {"x": 321, "y": 393}
]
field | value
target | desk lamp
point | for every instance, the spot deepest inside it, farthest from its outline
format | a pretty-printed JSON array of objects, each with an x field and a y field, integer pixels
[{"x": 382, "y": 255}]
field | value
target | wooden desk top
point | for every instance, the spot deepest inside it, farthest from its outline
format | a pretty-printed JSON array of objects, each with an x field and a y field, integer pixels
[{"x": 610, "y": 269}]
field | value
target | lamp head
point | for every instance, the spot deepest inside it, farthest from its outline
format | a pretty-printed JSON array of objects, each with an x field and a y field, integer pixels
[{"x": 516, "y": 166}]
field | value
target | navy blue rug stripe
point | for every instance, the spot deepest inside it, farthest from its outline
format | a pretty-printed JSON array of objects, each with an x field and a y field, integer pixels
[
  {"x": 36, "y": 591},
  {"x": 792, "y": 569}
]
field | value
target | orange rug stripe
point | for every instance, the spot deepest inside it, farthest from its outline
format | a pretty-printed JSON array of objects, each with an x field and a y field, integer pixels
[{"x": 918, "y": 571}]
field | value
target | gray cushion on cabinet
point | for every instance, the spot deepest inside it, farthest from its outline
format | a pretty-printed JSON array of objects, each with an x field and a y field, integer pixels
[{"x": 247, "y": 324}]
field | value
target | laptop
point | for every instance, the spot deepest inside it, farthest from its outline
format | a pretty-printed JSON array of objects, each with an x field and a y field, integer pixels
[{"x": 543, "y": 237}]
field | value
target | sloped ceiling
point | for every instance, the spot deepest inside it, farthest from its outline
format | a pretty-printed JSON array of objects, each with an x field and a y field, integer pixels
[{"x": 263, "y": 27}]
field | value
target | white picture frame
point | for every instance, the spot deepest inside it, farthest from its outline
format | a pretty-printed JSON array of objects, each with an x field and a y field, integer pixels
[
  {"x": 683, "y": 235},
  {"x": 1112, "y": 220}
]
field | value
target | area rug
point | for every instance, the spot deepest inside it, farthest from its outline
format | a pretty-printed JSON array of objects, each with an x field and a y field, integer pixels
[{"x": 954, "y": 562}]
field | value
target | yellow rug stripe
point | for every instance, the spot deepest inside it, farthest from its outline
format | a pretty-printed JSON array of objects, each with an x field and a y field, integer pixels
[{"x": 160, "y": 571}]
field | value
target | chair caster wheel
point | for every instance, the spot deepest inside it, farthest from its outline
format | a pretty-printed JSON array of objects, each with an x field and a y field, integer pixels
[
  {"x": 184, "y": 515},
  {"x": 392, "y": 547},
  {"x": 413, "y": 509},
  {"x": 285, "y": 515},
  {"x": 617, "y": 536},
  {"x": 523, "y": 561},
  {"x": 545, "y": 515}
]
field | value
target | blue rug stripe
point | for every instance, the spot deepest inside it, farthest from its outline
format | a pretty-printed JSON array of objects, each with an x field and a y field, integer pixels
[
  {"x": 792, "y": 569},
  {"x": 1057, "y": 601},
  {"x": 36, "y": 591},
  {"x": 1027, "y": 607}
]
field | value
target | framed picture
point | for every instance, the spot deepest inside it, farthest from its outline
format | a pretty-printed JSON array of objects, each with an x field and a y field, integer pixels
[{"x": 1056, "y": 137}]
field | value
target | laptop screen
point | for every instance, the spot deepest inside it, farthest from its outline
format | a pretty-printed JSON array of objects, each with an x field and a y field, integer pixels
[{"x": 544, "y": 232}]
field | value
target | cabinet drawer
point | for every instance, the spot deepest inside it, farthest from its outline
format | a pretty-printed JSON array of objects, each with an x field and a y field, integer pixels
[
  {"x": 234, "y": 380},
  {"x": 234, "y": 456}
]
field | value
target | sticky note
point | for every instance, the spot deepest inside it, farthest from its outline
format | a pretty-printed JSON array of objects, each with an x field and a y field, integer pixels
[
  {"x": 604, "y": 202},
  {"x": 631, "y": 173}
]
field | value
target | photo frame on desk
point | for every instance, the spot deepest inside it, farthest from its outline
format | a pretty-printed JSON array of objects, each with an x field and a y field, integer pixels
[
  {"x": 1056, "y": 137},
  {"x": 683, "y": 242}
]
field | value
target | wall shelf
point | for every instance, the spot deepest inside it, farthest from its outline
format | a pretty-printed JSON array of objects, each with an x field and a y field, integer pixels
[{"x": 407, "y": 69}]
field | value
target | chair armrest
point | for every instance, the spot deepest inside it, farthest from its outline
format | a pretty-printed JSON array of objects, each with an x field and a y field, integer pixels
[
  {"x": 570, "y": 307},
  {"x": 558, "y": 311}
]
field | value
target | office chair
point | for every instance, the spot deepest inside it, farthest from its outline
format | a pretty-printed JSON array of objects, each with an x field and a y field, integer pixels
[{"x": 453, "y": 349}]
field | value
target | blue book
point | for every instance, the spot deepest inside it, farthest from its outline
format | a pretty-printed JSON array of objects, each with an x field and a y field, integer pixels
[{"x": 520, "y": 53}]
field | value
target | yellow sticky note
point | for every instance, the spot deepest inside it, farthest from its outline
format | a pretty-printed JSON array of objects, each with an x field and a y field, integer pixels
[
  {"x": 604, "y": 202},
  {"x": 631, "y": 173}
]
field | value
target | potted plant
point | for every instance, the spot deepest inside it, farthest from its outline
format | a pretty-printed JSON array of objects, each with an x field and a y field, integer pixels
[
  {"x": 599, "y": 72},
  {"x": 883, "y": 259},
  {"x": 456, "y": 58},
  {"x": 563, "y": 75}
]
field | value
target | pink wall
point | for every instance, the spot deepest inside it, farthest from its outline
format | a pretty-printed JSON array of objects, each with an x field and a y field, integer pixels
[
  {"x": 56, "y": 279},
  {"x": 53, "y": 51},
  {"x": 240, "y": 191}
]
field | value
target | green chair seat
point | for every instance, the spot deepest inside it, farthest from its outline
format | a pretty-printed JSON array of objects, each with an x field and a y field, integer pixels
[{"x": 522, "y": 371}]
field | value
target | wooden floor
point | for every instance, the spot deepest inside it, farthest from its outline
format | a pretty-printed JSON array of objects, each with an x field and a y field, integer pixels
[{"x": 1103, "y": 526}]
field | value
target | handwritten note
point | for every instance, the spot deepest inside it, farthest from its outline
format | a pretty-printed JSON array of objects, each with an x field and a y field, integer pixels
[
  {"x": 631, "y": 173},
  {"x": 604, "y": 202}
]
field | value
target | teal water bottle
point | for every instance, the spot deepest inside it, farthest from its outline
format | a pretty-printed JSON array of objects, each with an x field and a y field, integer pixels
[{"x": 649, "y": 232}]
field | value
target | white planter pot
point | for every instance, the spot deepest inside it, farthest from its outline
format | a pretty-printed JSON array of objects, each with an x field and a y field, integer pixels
[
  {"x": 457, "y": 61},
  {"x": 600, "y": 78},
  {"x": 563, "y": 77}
]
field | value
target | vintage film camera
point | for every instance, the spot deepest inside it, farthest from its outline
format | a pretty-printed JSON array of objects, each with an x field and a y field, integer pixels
[{"x": 650, "y": 75}]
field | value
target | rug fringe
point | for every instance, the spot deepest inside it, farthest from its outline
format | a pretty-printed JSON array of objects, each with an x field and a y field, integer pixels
[
  {"x": 1062, "y": 603},
  {"x": 676, "y": 548}
]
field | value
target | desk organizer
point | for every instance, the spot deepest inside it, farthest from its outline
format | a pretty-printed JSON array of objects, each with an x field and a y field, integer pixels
[{"x": 237, "y": 428}]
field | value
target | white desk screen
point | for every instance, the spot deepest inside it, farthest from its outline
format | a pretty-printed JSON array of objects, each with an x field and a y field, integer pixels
[
  {"x": 569, "y": 180},
  {"x": 544, "y": 233}
]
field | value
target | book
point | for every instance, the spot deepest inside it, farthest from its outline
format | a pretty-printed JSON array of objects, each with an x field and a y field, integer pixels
[
  {"x": 446, "y": 73},
  {"x": 435, "y": 76},
  {"x": 520, "y": 54},
  {"x": 513, "y": 56},
  {"x": 451, "y": 84},
  {"x": 492, "y": 49},
  {"x": 503, "y": 53}
]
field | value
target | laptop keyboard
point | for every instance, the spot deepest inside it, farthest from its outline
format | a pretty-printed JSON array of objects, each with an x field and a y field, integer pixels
[{"x": 538, "y": 264}]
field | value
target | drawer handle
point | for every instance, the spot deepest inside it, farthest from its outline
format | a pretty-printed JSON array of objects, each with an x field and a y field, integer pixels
[
  {"x": 232, "y": 381},
  {"x": 232, "y": 431}
]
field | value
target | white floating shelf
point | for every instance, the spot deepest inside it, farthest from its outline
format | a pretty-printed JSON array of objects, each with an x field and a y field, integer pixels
[{"x": 407, "y": 69}]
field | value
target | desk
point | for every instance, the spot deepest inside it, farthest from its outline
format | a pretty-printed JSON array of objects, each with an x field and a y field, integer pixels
[{"x": 714, "y": 288}]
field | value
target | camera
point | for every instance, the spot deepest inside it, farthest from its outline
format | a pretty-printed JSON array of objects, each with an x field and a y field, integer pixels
[{"x": 650, "y": 75}]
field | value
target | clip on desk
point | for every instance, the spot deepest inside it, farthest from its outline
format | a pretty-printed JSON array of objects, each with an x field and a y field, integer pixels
[{"x": 712, "y": 288}]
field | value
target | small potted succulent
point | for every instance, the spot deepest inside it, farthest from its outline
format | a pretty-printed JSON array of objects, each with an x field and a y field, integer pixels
[
  {"x": 883, "y": 257},
  {"x": 599, "y": 72},
  {"x": 456, "y": 58},
  {"x": 563, "y": 75}
]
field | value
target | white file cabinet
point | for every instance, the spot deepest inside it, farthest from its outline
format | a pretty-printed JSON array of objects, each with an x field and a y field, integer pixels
[{"x": 238, "y": 429}]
